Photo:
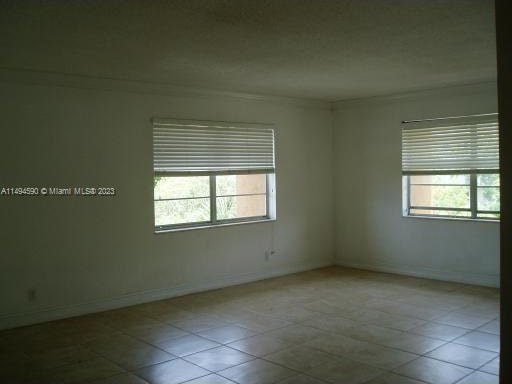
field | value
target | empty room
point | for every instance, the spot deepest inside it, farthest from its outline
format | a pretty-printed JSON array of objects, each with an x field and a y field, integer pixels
[{"x": 251, "y": 192}]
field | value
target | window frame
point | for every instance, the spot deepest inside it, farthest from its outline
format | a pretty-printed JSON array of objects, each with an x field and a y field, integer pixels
[
  {"x": 473, "y": 197},
  {"x": 186, "y": 147},
  {"x": 454, "y": 145},
  {"x": 213, "y": 221}
]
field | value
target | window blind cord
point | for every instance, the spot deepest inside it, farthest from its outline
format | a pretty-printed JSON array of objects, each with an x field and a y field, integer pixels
[{"x": 271, "y": 236}]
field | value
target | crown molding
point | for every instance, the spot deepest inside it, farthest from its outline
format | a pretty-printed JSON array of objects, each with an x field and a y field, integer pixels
[
  {"x": 46, "y": 78},
  {"x": 43, "y": 78},
  {"x": 453, "y": 90}
]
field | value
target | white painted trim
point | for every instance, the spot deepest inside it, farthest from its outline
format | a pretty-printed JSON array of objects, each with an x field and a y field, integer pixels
[
  {"x": 483, "y": 279},
  {"x": 31, "y": 77},
  {"x": 55, "y": 313},
  {"x": 454, "y": 90}
]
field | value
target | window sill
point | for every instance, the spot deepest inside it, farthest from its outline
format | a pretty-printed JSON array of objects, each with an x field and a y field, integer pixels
[
  {"x": 450, "y": 218},
  {"x": 211, "y": 226}
]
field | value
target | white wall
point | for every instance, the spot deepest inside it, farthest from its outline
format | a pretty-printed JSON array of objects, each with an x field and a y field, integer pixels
[
  {"x": 86, "y": 254},
  {"x": 370, "y": 230}
]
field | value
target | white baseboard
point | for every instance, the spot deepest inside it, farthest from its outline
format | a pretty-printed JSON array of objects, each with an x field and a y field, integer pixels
[
  {"x": 487, "y": 280},
  {"x": 55, "y": 313}
]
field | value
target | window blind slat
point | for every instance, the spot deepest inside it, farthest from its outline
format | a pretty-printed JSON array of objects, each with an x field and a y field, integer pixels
[
  {"x": 192, "y": 146},
  {"x": 446, "y": 131},
  {"x": 469, "y": 145}
]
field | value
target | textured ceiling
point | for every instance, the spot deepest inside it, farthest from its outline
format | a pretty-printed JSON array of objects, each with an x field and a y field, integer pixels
[{"x": 319, "y": 49}]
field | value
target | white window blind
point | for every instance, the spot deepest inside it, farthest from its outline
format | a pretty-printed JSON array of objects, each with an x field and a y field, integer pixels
[
  {"x": 195, "y": 147},
  {"x": 450, "y": 146}
]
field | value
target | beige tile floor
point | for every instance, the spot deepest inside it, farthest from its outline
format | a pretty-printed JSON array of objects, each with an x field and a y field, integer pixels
[{"x": 332, "y": 325}]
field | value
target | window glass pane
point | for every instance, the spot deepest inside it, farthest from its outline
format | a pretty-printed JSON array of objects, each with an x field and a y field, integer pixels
[
  {"x": 241, "y": 184},
  {"x": 489, "y": 215},
  {"x": 491, "y": 179},
  {"x": 440, "y": 213},
  {"x": 241, "y": 206},
  {"x": 172, "y": 187},
  {"x": 440, "y": 196},
  {"x": 182, "y": 211},
  {"x": 488, "y": 198},
  {"x": 440, "y": 179}
]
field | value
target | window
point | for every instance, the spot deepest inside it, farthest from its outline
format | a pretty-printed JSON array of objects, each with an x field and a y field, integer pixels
[
  {"x": 450, "y": 168},
  {"x": 211, "y": 173}
]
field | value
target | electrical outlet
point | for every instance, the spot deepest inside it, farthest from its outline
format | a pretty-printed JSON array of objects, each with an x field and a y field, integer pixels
[{"x": 31, "y": 294}]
